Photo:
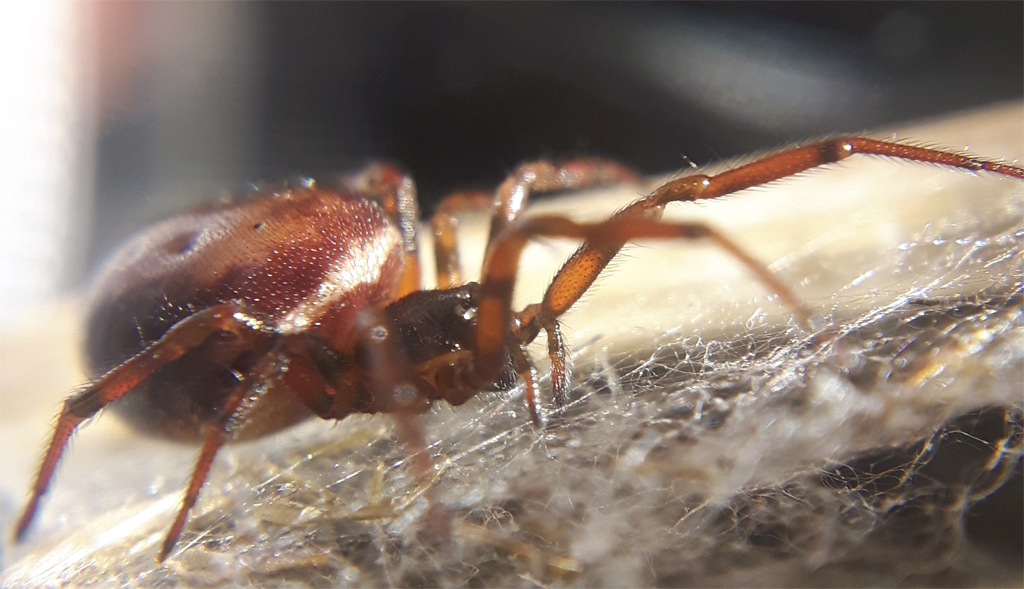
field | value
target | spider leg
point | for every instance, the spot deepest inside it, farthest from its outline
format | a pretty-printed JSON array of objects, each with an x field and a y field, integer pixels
[
  {"x": 583, "y": 267},
  {"x": 325, "y": 382},
  {"x": 322, "y": 378},
  {"x": 396, "y": 194},
  {"x": 392, "y": 388},
  {"x": 397, "y": 389},
  {"x": 558, "y": 354},
  {"x": 794, "y": 160},
  {"x": 510, "y": 199},
  {"x": 528, "y": 373},
  {"x": 443, "y": 224},
  {"x": 179, "y": 340},
  {"x": 542, "y": 176},
  {"x": 266, "y": 372},
  {"x": 390, "y": 376},
  {"x": 365, "y": 379}
]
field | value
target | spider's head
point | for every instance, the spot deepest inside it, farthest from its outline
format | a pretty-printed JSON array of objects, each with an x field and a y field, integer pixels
[{"x": 432, "y": 323}]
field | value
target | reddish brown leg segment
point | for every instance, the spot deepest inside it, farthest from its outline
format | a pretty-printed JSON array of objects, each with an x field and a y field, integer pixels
[
  {"x": 179, "y": 340},
  {"x": 804, "y": 157},
  {"x": 542, "y": 176},
  {"x": 528, "y": 373},
  {"x": 396, "y": 194},
  {"x": 584, "y": 266},
  {"x": 558, "y": 353},
  {"x": 211, "y": 445},
  {"x": 67, "y": 423},
  {"x": 398, "y": 390},
  {"x": 510, "y": 199},
  {"x": 268, "y": 370},
  {"x": 443, "y": 224}
]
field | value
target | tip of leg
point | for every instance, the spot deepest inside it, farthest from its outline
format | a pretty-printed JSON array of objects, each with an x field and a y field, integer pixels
[
  {"x": 536, "y": 421},
  {"x": 25, "y": 521},
  {"x": 537, "y": 417},
  {"x": 170, "y": 541},
  {"x": 166, "y": 549}
]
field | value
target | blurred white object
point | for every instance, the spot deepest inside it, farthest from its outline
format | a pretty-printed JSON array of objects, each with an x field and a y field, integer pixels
[{"x": 45, "y": 150}]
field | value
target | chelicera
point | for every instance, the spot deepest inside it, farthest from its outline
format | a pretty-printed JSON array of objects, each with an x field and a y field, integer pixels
[{"x": 241, "y": 319}]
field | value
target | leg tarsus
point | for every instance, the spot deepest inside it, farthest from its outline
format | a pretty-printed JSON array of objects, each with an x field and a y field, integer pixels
[
  {"x": 242, "y": 400},
  {"x": 561, "y": 373},
  {"x": 529, "y": 375},
  {"x": 215, "y": 438},
  {"x": 66, "y": 425}
]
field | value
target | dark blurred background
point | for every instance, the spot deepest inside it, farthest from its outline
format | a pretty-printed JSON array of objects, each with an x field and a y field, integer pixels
[
  {"x": 196, "y": 97},
  {"x": 181, "y": 101}
]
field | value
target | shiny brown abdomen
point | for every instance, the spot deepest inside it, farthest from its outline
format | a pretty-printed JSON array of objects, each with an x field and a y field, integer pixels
[{"x": 303, "y": 259}]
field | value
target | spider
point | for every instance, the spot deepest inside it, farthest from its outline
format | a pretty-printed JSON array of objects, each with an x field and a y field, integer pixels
[{"x": 240, "y": 319}]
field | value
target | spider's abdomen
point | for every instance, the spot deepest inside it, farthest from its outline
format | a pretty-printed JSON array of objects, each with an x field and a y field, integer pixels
[{"x": 302, "y": 260}]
